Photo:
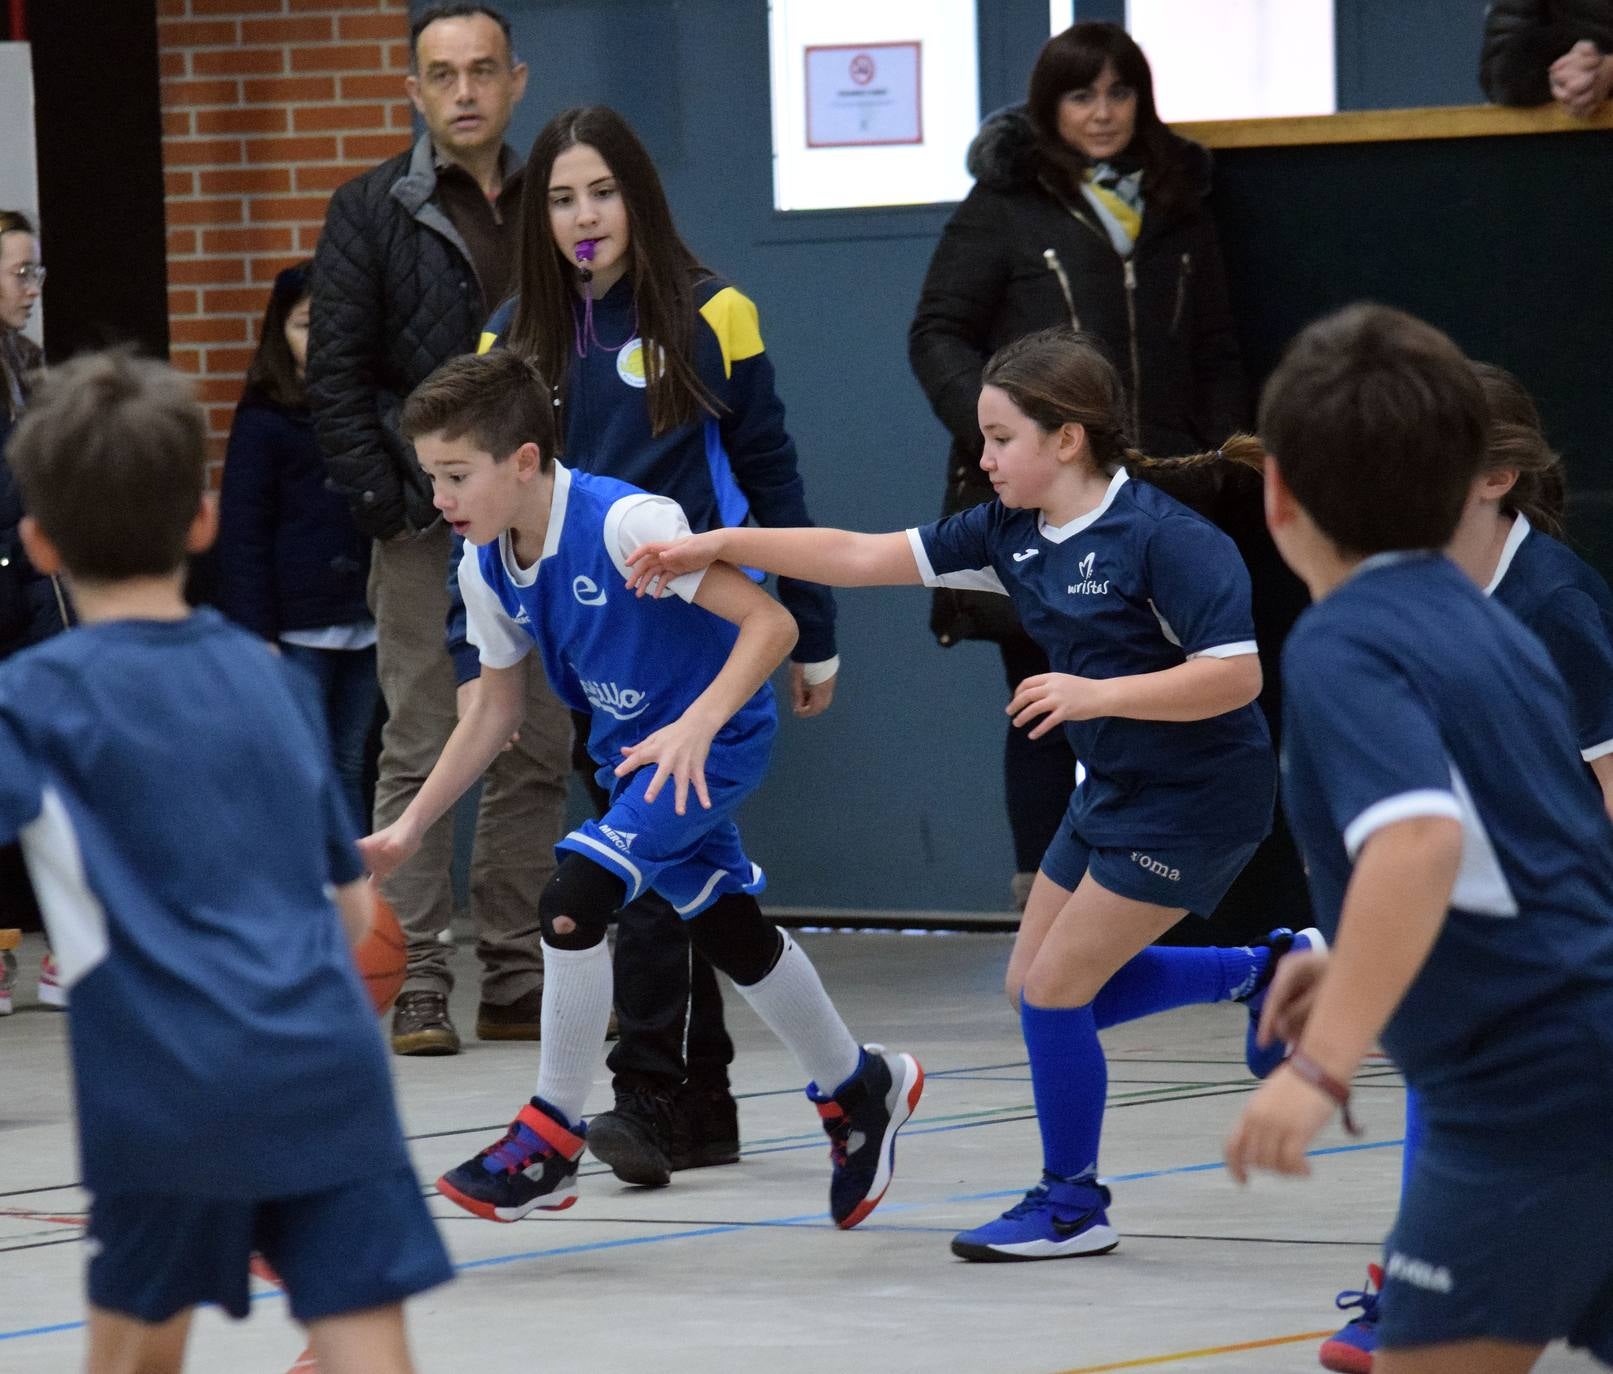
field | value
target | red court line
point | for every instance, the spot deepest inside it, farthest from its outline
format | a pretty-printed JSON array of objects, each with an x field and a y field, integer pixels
[
  {"x": 1206, "y": 1353},
  {"x": 42, "y": 1216}
]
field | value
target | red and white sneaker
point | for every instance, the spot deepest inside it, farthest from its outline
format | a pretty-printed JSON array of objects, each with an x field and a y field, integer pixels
[{"x": 51, "y": 991}]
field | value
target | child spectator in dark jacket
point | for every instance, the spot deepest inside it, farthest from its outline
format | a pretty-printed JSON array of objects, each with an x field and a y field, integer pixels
[{"x": 293, "y": 566}]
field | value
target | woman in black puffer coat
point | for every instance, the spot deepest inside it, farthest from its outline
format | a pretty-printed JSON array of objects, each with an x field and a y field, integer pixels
[{"x": 1086, "y": 211}]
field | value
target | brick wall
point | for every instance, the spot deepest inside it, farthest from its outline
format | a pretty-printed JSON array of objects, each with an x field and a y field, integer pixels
[{"x": 267, "y": 107}]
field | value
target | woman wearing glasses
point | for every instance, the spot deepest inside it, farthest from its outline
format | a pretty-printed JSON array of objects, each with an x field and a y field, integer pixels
[{"x": 32, "y": 606}]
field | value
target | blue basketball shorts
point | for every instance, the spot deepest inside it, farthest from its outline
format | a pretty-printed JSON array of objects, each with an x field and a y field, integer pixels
[
  {"x": 369, "y": 1243},
  {"x": 1513, "y": 1250},
  {"x": 1193, "y": 875},
  {"x": 691, "y": 859}
]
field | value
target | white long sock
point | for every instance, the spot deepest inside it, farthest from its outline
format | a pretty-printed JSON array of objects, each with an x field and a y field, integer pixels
[
  {"x": 576, "y": 1010},
  {"x": 792, "y": 1001}
]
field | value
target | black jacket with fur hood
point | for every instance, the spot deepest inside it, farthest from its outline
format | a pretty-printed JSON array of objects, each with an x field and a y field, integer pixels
[{"x": 1163, "y": 315}]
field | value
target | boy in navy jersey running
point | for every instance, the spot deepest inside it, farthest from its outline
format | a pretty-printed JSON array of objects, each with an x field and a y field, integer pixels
[
  {"x": 1509, "y": 542},
  {"x": 681, "y": 723},
  {"x": 184, "y": 829},
  {"x": 1142, "y": 607},
  {"x": 1459, "y": 854}
]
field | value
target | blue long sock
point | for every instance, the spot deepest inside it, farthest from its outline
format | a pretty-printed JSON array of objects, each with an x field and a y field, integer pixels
[
  {"x": 1069, "y": 1078},
  {"x": 1164, "y": 976},
  {"x": 1414, "y": 1138}
]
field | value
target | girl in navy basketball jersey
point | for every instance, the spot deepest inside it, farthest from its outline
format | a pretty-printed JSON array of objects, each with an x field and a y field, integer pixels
[
  {"x": 1142, "y": 606},
  {"x": 1509, "y": 542}
]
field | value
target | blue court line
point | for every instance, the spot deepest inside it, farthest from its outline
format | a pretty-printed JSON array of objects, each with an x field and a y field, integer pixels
[{"x": 589, "y": 1247}]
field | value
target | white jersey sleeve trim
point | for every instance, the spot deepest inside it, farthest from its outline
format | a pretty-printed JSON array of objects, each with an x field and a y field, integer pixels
[
  {"x": 967, "y": 580},
  {"x": 1424, "y": 802},
  {"x": 74, "y": 916},
  {"x": 646, "y": 519},
  {"x": 499, "y": 642},
  {"x": 1597, "y": 751},
  {"x": 814, "y": 673},
  {"x": 1234, "y": 650}
]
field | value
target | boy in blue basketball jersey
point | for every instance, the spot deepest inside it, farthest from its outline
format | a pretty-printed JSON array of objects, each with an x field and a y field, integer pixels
[
  {"x": 1458, "y": 855},
  {"x": 185, "y": 831},
  {"x": 677, "y": 693}
]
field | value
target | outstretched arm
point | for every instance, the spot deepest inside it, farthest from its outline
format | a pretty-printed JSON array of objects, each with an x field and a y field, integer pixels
[
  {"x": 1393, "y": 911},
  {"x": 766, "y": 636},
  {"x": 835, "y": 558},
  {"x": 477, "y": 740},
  {"x": 1195, "y": 690}
]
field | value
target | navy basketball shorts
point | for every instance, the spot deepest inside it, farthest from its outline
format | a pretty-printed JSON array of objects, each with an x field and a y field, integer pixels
[
  {"x": 1508, "y": 1250},
  {"x": 691, "y": 859},
  {"x": 1194, "y": 875},
  {"x": 369, "y": 1243}
]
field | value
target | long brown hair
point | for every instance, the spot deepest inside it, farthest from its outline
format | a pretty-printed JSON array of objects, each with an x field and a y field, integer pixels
[
  {"x": 663, "y": 271},
  {"x": 1074, "y": 59},
  {"x": 1515, "y": 438},
  {"x": 1057, "y": 377}
]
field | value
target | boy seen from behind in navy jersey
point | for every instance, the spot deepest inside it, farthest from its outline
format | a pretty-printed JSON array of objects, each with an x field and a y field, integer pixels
[
  {"x": 185, "y": 832},
  {"x": 1460, "y": 862},
  {"x": 681, "y": 724}
]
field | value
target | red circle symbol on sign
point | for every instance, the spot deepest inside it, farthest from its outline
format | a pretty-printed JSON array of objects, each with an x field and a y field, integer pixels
[{"x": 862, "y": 69}]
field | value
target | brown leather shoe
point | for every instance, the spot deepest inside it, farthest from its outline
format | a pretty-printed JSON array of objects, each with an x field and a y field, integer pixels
[
  {"x": 517, "y": 1020},
  {"x": 420, "y": 1024}
]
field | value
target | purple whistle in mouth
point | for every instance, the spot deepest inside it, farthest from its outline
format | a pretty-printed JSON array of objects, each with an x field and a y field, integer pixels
[{"x": 585, "y": 250}]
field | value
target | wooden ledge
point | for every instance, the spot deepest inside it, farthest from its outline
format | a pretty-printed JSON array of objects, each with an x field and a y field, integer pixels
[{"x": 1386, "y": 126}]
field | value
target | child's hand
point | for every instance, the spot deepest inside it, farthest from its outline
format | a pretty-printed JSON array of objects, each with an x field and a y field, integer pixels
[
  {"x": 677, "y": 750},
  {"x": 1059, "y": 697},
  {"x": 1277, "y": 1127},
  {"x": 654, "y": 565},
  {"x": 1291, "y": 996},
  {"x": 387, "y": 850}
]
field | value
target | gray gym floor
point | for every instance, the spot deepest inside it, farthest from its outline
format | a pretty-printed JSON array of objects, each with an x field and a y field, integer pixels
[{"x": 738, "y": 1268}]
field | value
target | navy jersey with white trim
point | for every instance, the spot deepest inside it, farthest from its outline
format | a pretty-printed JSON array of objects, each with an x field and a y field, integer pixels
[
  {"x": 723, "y": 469},
  {"x": 182, "y": 823},
  {"x": 1139, "y": 585},
  {"x": 1407, "y": 693},
  {"x": 1567, "y": 604},
  {"x": 633, "y": 664}
]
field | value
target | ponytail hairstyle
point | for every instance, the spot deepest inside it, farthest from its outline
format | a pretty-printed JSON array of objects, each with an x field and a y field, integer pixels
[
  {"x": 663, "y": 271},
  {"x": 1074, "y": 59},
  {"x": 1515, "y": 438},
  {"x": 1057, "y": 377}
]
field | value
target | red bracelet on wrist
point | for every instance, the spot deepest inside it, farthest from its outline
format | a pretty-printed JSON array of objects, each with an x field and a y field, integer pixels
[{"x": 1318, "y": 1077}]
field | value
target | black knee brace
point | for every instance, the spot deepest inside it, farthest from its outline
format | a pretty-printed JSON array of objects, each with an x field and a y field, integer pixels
[
  {"x": 738, "y": 940},
  {"x": 586, "y": 894}
]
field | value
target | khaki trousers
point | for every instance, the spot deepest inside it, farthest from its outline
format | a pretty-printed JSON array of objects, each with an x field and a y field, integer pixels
[{"x": 523, "y": 804}]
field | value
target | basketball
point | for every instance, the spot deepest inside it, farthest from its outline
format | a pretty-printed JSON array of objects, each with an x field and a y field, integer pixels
[{"x": 382, "y": 955}]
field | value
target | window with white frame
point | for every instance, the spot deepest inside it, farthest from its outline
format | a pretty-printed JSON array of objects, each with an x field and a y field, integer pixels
[
  {"x": 873, "y": 104},
  {"x": 1232, "y": 59}
]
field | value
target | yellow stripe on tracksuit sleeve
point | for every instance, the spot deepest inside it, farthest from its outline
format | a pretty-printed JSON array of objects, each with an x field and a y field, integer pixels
[
  {"x": 732, "y": 317},
  {"x": 486, "y": 342}
]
